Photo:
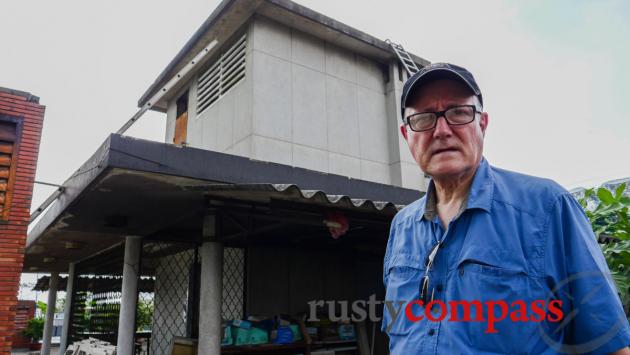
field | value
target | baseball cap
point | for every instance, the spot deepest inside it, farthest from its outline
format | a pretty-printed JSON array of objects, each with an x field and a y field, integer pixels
[{"x": 438, "y": 71}]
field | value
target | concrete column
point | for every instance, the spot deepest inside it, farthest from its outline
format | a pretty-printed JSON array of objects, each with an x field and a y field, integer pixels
[
  {"x": 67, "y": 312},
  {"x": 50, "y": 312},
  {"x": 129, "y": 296},
  {"x": 211, "y": 292}
]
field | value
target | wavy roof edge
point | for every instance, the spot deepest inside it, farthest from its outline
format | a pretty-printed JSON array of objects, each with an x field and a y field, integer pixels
[{"x": 293, "y": 191}]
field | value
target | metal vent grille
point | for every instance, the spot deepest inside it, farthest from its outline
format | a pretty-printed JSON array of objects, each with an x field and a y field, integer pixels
[{"x": 226, "y": 72}]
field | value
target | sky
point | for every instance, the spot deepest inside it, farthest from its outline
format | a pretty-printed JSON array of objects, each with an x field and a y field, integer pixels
[{"x": 553, "y": 73}]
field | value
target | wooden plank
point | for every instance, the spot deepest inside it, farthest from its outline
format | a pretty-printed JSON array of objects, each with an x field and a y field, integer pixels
[
  {"x": 5, "y": 160},
  {"x": 181, "y": 128},
  {"x": 8, "y": 170},
  {"x": 6, "y": 147}
]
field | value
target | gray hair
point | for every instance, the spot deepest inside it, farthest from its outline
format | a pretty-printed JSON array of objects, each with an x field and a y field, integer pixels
[{"x": 478, "y": 103}]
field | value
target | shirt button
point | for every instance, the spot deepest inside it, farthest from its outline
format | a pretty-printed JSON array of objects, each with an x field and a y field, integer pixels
[
  {"x": 440, "y": 287},
  {"x": 431, "y": 331}
]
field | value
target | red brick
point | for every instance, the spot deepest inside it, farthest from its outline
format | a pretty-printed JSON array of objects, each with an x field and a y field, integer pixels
[{"x": 13, "y": 234}]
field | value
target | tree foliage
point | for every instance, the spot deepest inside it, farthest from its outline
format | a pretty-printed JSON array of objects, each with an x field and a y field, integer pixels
[
  {"x": 35, "y": 327},
  {"x": 610, "y": 219},
  {"x": 144, "y": 314}
]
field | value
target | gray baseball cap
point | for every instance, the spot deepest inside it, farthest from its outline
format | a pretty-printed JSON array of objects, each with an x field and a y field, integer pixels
[{"x": 437, "y": 71}]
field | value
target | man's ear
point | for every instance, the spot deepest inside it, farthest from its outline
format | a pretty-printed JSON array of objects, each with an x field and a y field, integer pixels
[
  {"x": 403, "y": 130},
  {"x": 483, "y": 122}
]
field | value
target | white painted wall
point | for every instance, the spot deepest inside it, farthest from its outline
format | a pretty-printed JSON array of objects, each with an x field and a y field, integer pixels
[{"x": 308, "y": 103}]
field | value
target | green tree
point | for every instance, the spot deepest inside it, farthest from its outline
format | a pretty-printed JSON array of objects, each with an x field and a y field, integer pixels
[
  {"x": 42, "y": 307},
  {"x": 609, "y": 219},
  {"x": 144, "y": 314},
  {"x": 35, "y": 327}
]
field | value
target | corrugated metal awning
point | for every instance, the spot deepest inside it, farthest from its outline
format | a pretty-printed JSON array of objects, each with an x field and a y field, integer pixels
[{"x": 291, "y": 192}]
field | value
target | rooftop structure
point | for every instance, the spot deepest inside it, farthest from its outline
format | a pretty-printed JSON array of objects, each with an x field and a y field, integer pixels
[{"x": 286, "y": 84}]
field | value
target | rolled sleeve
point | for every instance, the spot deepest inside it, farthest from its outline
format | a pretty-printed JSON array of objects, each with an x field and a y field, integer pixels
[{"x": 594, "y": 321}]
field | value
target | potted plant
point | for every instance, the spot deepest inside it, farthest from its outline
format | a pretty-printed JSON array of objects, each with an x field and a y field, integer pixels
[{"x": 35, "y": 331}]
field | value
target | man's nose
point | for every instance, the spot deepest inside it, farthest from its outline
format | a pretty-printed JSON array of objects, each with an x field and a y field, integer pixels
[{"x": 442, "y": 129}]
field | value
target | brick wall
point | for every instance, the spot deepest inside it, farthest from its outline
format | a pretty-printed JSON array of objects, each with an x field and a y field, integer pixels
[
  {"x": 24, "y": 312},
  {"x": 25, "y": 108}
]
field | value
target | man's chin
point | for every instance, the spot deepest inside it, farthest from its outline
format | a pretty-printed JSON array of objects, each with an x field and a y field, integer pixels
[{"x": 446, "y": 169}]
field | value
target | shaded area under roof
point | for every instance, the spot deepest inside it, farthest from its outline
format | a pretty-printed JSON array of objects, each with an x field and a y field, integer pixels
[{"x": 151, "y": 189}]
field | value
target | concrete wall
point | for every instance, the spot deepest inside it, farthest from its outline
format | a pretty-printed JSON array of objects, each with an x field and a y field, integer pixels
[
  {"x": 225, "y": 126},
  {"x": 317, "y": 106},
  {"x": 308, "y": 103}
]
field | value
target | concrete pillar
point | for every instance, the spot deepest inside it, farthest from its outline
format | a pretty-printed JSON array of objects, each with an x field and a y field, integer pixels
[
  {"x": 67, "y": 312},
  {"x": 129, "y": 296},
  {"x": 50, "y": 313},
  {"x": 211, "y": 291}
]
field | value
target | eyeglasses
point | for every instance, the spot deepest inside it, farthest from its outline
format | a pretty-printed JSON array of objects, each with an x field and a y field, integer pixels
[
  {"x": 424, "y": 284},
  {"x": 455, "y": 116}
]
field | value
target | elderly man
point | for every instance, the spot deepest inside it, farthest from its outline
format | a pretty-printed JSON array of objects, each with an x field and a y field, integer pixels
[{"x": 489, "y": 261}]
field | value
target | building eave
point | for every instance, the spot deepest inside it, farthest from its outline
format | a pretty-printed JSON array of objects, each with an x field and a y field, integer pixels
[{"x": 137, "y": 187}]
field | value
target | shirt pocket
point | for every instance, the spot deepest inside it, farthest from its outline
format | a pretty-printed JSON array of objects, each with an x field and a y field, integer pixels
[
  {"x": 403, "y": 273},
  {"x": 480, "y": 276}
]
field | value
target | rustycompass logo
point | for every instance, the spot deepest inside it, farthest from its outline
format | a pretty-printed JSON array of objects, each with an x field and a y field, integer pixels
[
  {"x": 554, "y": 316},
  {"x": 490, "y": 312}
]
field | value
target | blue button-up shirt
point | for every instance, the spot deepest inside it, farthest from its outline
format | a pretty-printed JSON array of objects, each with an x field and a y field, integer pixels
[{"x": 516, "y": 237}]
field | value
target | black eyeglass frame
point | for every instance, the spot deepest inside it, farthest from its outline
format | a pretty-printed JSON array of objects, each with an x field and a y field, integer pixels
[{"x": 439, "y": 114}]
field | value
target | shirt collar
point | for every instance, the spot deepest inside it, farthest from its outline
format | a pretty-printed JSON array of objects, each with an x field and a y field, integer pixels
[{"x": 479, "y": 196}]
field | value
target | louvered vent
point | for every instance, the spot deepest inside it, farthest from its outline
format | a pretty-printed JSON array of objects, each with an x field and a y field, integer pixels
[
  {"x": 8, "y": 140},
  {"x": 228, "y": 70}
]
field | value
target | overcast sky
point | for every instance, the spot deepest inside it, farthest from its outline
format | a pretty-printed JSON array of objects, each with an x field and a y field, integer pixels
[{"x": 554, "y": 74}]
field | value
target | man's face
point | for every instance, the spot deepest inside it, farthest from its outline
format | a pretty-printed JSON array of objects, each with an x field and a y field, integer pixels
[{"x": 445, "y": 151}]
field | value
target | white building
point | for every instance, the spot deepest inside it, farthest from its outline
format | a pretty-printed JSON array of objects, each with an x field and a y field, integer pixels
[{"x": 288, "y": 85}]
